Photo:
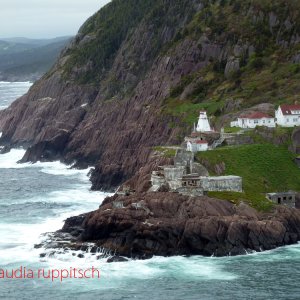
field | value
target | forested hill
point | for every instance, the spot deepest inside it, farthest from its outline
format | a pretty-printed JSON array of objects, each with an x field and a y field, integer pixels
[{"x": 138, "y": 72}]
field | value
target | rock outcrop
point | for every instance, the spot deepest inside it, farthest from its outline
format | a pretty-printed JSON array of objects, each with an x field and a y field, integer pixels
[{"x": 147, "y": 224}]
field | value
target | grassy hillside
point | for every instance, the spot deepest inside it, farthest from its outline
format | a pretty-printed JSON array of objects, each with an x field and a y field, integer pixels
[
  {"x": 264, "y": 168},
  {"x": 261, "y": 37}
]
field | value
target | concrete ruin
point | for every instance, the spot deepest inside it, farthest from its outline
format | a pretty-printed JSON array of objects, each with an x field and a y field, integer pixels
[
  {"x": 222, "y": 184},
  {"x": 173, "y": 174},
  {"x": 190, "y": 178},
  {"x": 157, "y": 181},
  {"x": 285, "y": 198}
]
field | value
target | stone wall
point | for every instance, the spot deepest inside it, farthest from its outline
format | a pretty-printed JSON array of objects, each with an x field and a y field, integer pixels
[
  {"x": 222, "y": 184},
  {"x": 191, "y": 191},
  {"x": 286, "y": 199},
  {"x": 183, "y": 158},
  {"x": 157, "y": 182},
  {"x": 173, "y": 176}
]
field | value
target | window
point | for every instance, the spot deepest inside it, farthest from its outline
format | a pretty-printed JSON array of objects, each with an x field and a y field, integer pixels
[
  {"x": 295, "y": 120},
  {"x": 255, "y": 121},
  {"x": 290, "y": 198}
]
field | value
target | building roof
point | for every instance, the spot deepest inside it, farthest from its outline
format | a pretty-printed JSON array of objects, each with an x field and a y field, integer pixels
[
  {"x": 195, "y": 134},
  {"x": 290, "y": 193},
  {"x": 256, "y": 115},
  {"x": 201, "y": 142},
  {"x": 287, "y": 109}
]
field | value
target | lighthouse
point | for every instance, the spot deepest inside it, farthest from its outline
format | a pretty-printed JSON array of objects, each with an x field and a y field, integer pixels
[{"x": 203, "y": 123}]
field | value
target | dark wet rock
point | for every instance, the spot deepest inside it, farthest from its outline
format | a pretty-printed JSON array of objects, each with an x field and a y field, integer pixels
[
  {"x": 94, "y": 249},
  {"x": 43, "y": 255},
  {"x": 5, "y": 149},
  {"x": 117, "y": 259},
  {"x": 171, "y": 224},
  {"x": 73, "y": 226},
  {"x": 84, "y": 248},
  {"x": 80, "y": 255}
]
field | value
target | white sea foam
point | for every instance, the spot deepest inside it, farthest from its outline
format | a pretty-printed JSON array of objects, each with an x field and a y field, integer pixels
[
  {"x": 24, "y": 236},
  {"x": 10, "y": 161},
  {"x": 18, "y": 239}
]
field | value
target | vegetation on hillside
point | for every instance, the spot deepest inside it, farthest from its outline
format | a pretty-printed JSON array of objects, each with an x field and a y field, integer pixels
[
  {"x": 110, "y": 27},
  {"x": 267, "y": 71},
  {"x": 265, "y": 168},
  {"x": 168, "y": 152}
]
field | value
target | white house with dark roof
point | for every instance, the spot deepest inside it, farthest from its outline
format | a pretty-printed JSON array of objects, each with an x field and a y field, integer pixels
[
  {"x": 288, "y": 115},
  {"x": 254, "y": 119}
]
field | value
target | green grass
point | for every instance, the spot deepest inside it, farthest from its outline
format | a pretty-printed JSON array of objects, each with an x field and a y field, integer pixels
[
  {"x": 232, "y": 129},
  {"x": 264, "y": 168},
  {"x": 165, "y": 151},
  {"x": 274, "y": 134},
  {"x": 189, "y": 111}
]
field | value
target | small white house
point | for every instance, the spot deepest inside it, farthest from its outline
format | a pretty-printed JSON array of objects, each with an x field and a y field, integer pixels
[
  {"x": 197, "y": 145},
  {"x": 203, "y": 123},
  {"x": 288, "y": 115},
  {"x": 254, "y": 119}
]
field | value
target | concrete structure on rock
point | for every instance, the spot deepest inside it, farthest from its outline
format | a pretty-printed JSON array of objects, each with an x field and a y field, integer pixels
[
  {"x": 183, "y": 179},
  {"x": 222, "y": 183},
  {"x": 285, "y": 198}
]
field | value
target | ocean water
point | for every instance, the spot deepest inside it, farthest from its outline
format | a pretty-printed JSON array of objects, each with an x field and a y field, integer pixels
[
  {"x": 36, "y": 198},
  {"x": 9, "y": 91}
]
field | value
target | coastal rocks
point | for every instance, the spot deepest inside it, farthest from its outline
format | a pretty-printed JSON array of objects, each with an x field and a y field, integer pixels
[
  {"x": 116, "y": 259},
  {"x": 171, "y": 224},
  {"x": 48, "y": 150}
]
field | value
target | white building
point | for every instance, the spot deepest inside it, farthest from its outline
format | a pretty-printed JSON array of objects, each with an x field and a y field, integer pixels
[
  {"x": 197, "y": 145},
  {"x": 203, "y": 123},
  {"x": 288, "y": 115},
  {"x": 254, "y": 119}
]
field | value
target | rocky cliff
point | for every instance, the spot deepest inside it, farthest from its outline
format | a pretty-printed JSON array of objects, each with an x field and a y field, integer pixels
[
  {"x": 138, "y": 71},
  {"x": 167, "y": 224}
]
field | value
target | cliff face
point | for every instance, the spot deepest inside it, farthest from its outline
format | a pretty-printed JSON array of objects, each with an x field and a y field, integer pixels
[{"x": 136, "y": 75}]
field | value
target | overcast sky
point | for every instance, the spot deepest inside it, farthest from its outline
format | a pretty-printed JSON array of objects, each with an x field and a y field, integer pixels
[{"x": 45, "y": 18}]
